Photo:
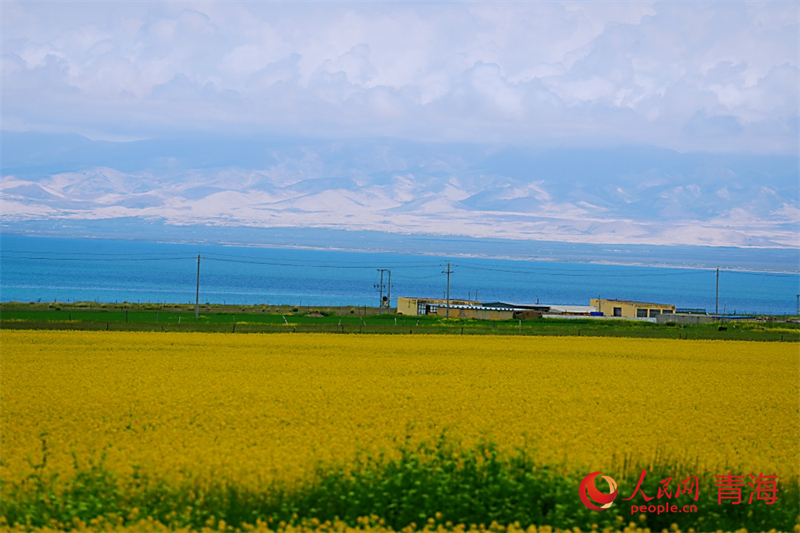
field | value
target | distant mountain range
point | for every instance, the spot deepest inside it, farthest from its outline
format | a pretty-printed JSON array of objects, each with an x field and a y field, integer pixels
[{"x": 623, "y": 195}]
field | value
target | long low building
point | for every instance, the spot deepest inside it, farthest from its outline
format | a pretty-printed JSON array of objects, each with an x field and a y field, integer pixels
[
  {"x": 464, "y": 309},
  {"x": 485, "y": 310},
  {"x": 428, "y": 306}
]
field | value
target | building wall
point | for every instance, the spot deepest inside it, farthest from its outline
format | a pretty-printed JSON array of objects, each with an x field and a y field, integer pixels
[
  {"x": 410, "y": 306},
  {"x": 407, "y": 306},
  {"x": 686, "y": 319},
  {"x": 584, "y": 310},
  {"x": 627, "y": 308},
  {"x": 527, "y": 314},
  {"x": 476, "y": 313}
]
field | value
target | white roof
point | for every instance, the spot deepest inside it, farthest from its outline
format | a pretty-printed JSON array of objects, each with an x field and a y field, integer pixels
[{"x": 572, "y": 308}]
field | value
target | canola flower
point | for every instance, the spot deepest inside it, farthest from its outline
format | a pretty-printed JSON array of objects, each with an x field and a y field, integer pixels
[
  {"x": 257, "y": 409},
  {"x": 371, "y": 524}
]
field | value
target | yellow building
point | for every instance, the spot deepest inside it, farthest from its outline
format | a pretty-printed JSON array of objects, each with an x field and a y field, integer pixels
[
  {"x": 631, "y": 308},
  {"x": 427, "y": 306}
]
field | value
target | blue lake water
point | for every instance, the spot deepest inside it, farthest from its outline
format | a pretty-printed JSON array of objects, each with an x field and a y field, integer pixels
[{"x": 48, "y": 269}]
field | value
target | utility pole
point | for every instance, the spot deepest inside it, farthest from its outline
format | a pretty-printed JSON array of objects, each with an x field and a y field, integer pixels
[
  {"x": 380, "y": 298},
  {"x": 797, "y": 312},
  {"x": 448, "y": 272},
  {"x": 716, "y": 306},
  {"x": 380, "y": 288},
  {"x": 389, "y": 291},
  {"x": 197, "y": 294}
]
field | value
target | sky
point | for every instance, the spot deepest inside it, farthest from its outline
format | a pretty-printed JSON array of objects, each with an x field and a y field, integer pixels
[{"x": 312, "y": 82}]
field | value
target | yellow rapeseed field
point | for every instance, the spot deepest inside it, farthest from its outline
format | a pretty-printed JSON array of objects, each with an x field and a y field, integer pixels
[{"x": 252, "y": 408}]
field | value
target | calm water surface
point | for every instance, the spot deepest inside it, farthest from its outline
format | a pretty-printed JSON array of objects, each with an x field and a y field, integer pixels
[{"x": 48, "y": 269}]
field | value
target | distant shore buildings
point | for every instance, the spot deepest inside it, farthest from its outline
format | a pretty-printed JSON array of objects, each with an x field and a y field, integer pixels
[{"x": 599, "y": 308}]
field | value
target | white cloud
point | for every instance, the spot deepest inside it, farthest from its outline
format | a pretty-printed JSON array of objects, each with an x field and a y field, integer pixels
[{"x": 508, "y": 72}]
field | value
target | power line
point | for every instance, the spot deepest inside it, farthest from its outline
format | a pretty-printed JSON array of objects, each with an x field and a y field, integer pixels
[
  {"x": 270, "y": 263},
  {"x": 432, "y": 276},
  {"x": 106, "y": 260},
  {"x": 676, "y": 270},
  {"x": 89, "y": 253},
  {"x": 586, "y": 275},
  {"x": 297, "y": 262},
  {"x": 413, "y": 263},
  {"x": 762, "y": 273},
  {"x": 309, "y": 263}
]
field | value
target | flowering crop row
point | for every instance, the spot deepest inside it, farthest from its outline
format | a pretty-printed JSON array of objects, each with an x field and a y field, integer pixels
[{"x": 256, "y": 410}]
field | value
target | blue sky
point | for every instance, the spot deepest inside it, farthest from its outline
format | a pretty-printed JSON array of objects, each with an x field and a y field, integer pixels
[{"x": 312, "y": 80}]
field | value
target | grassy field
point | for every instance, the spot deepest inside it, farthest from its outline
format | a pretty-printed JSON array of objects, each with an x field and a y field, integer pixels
[
  {"x": 143, "y": 430},
  {"x": 265, "y": 319}
]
